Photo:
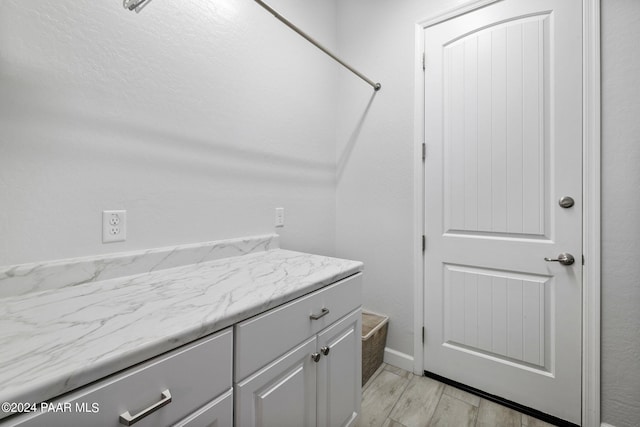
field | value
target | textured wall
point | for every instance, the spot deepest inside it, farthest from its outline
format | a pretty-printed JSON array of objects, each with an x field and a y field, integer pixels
[
  {"x": 620, "y": 213},
  {"x": 375, "y": 154},
  {"x": 198, "y": 118}
]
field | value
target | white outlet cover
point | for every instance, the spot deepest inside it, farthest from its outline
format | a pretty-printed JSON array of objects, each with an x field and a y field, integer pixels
[{"x": 114, "y": 226}]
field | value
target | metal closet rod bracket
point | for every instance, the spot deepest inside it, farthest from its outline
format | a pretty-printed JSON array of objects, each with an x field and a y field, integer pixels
[
  {"x": 376, "y": 86},
  {"x": 138, "y": 5}
]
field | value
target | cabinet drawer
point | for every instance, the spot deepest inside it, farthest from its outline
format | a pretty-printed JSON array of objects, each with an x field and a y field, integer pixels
[
  {"x": 193, "y": 375},
  {"x": 290, "y": 324}
]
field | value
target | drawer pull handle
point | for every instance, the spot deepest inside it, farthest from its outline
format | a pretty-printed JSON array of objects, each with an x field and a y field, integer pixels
[
  {"x": 323, "y": 313},
  {"x": 127, "y": 419}
]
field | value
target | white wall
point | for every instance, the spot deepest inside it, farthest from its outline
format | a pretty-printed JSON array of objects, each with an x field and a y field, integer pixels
[
  {"x": 375, "y": 185},
  {"x": 621, "y": 211},
  {"x": 198, "y": 118},
  {"x": 375, "y": 151}
]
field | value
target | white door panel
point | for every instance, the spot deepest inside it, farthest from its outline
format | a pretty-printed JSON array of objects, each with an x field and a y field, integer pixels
[
  {"x": 494, "y": 186},
  {"x": 503, "y": 103}
]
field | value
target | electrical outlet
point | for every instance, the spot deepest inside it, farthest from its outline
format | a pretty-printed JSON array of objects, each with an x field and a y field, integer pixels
[
  {"x": 279, "y": 217},
  {"x": 114, "y": 226}
]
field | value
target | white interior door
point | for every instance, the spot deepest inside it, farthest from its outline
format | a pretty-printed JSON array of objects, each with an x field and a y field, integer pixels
[{"x": 503, "y": 104}]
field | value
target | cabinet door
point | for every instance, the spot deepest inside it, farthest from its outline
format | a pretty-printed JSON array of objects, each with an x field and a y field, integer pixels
[
  {"x": 340, "y": 372},
  {"x": 282, "y": 394},
  {"x": 218, "y": 413}
]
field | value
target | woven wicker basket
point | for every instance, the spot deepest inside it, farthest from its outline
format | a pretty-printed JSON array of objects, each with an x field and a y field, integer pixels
[{"x": 374, "y": 338}]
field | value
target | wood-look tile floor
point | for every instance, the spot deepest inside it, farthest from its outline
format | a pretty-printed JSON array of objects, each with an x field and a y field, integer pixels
[{"x": 396, "y": 398}]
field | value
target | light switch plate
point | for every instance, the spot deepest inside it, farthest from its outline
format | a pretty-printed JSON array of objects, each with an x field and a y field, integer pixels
[{"x": 279, "y": 217}]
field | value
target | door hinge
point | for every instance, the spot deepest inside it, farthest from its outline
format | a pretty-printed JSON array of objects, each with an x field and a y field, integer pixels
[
  {"x": 424, "y": 243},
  {"x": 582, "y": 259},
  {"x": 424, "y": 61},
  {"x": 423, "y": 335},
  {"x": 424, "y": 151}
]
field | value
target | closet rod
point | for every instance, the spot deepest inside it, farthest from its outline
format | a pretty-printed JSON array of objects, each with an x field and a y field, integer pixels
[{"x": 376, "y": 86}]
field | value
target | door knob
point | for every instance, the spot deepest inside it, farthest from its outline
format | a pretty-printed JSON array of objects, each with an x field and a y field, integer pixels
[
  {"x": 566, "y": 202},
  {"x": 325, "y": 350},
  {"x": 564, "y": 259},
  {"x": 315, "y": 357}
]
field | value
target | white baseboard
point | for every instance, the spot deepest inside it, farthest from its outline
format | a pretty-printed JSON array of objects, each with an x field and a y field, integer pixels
[
  {"x": 606, "y": 425},
  {"x": 397, "y": 359}
]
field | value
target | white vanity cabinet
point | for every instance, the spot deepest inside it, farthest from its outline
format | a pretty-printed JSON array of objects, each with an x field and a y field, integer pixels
[
  {"x": 192, "y": 384},
  {"x": 296, "y": 365},
  {"x": 300, "y": 364}
]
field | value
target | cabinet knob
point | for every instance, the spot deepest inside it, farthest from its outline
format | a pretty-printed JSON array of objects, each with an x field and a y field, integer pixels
[
  {"x": 325, "y": 350},
  {"x": 315, "y": 357}
]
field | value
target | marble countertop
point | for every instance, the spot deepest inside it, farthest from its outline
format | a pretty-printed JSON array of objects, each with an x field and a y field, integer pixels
[{"x": 57, "y": 340}]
